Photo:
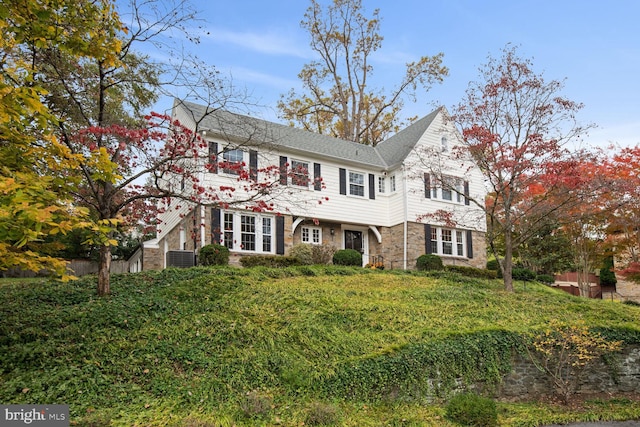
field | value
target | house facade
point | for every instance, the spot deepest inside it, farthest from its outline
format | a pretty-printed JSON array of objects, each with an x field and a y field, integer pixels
[{"x": 410, "y": 195}]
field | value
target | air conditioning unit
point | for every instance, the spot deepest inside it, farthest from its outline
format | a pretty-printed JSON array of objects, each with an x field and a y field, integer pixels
[{"x": 181, "y": 259}]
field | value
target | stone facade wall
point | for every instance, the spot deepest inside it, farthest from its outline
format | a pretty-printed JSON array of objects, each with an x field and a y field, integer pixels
[
  {"x": 393, "y": 247},
  {"x": 527, "y": 382},
  {"x": 152, "y": 258}
]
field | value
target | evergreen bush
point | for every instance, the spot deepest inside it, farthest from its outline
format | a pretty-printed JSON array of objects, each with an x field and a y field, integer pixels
[
  {"x": 471, "y": 271},
  {"x": 303, "y": 252},
  {"x": 349, "y": 257},
  {"x": 607, "y": 275},
  {"x": 524, "y": 274},
  {"x": 493, "y": 265},
  {"x": 275, "y": 261},
  {"x": 429, "y": 262},
  {"x": 546, "y": 279},
  {"x": 469, "y": 409},
  {"x": 213, "y": 254}
]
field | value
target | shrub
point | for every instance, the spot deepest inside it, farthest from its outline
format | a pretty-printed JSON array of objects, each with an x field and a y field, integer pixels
[
  {"x": 429, "y": 262},
  {"x": 319, "y": 414},
  {"x": 469, "y": 409},
  {"x": 545, "y": 278},
  {"x": 493, "y": 265},
  {"x": 322, "y": 254},
  {"x": 347, "y": 257},
  {"x": 276, "y": 261},
  {"x": 607, "y": 275},
  {"x": 472, "y": 272},
  {"x": 256, "y": 404},
  {"x": 564, "y": 350},
  {"x": 213, "y": 254},
  {"x": 522, "y": 274},
  {"x": 303, "y": 252}
]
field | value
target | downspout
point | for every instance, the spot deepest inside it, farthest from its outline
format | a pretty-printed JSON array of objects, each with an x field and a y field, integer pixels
[
  {"x": 406, "y": 217},
  {"x": 203, "y": 234}
]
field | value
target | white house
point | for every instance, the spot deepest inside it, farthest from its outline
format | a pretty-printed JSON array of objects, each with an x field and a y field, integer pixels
[{"x": 377, "y": 200}]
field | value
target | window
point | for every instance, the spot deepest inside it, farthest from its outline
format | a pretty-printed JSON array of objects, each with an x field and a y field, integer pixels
[
  {"x": 444, "y": 143},
  {"x": 434, "y": 240},
  {"x": 356, "y": 184},
  {"x": 267, "y": 238},
  {"x": 459, "y": 244},
  {"x": 312, "y": 235},
  {"x": 232, "y": 160},
  {"x": 300, "y": 173},
  {"x": 392, "y": 183},
  {"x": 450, "y": 189},
  {"x": 381, "y": 184},
  {"x": 255, "y": 233},
  {"x": 445, "y": 241},
  {"x": 228, "y": 230},
  {"x": 248, "y": 232}
]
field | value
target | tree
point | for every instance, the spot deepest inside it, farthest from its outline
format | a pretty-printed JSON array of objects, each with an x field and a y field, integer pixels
[
  {"x": 622, "y": 201},
  {"x": 35, "y": 194},
  {"x": 336, "y": 99},
  {"x": 95, "y": 99},
  {"x": 563, "y": 352},
  {"x": 516, "y": 127}
]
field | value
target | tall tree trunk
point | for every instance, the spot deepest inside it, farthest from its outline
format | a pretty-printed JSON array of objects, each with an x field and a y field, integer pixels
[
  {"x": 507, "y": 262},
  {"x": 104, "y": 268}
]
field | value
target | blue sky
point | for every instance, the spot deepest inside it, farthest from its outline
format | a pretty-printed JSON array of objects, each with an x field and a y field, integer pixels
[{"x": 594, "y": 45}]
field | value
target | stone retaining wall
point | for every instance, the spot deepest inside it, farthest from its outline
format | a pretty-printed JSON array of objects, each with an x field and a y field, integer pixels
[{"x": 527, "y": 382}]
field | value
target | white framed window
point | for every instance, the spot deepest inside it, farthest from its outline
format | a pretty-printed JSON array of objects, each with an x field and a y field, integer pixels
[
  {"x": 300, "y": 173},
  {"x": 228, "y": 230},
  {"x": 392, "y": 183},
  {"x": 248, "y": 232},
  {"x": 450, "y": 190},
  {"x": 232, "y": 159},
  {"x": 356, "y": 184},
  {"x": 267, "y": 234},
  {"x": 447, "y": 242},
  {"x": 312, "y": 235},
  {"x": 382, "y": 184},
  {"x": 459, "y": 243}
]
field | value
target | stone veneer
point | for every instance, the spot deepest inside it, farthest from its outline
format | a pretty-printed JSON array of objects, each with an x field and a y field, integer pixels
[{"x": 393, "y": 242}]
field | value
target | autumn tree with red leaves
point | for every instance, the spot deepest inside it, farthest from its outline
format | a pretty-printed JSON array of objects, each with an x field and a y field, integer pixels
[{"x": 516, "y": 127}]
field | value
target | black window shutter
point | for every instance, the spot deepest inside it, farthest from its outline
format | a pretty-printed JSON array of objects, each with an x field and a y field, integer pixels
[
  {"x": 215, "y": 226},
  {"x": 372, "y": 186},
  {"x": 253, "y": 164},
  {"x": 317, "y": 177},
  {"x": 213, "y": 156},
  {"x": 343, "y": 181},
  {"x": 427, "y": 186},
  {"x": 469, "y": 244},
  {"x": 280, "y": 235},
  {"x": 283, "y": 170},
  {"x": 427, "y": 238},
  {"x": 466, "y": 193}
]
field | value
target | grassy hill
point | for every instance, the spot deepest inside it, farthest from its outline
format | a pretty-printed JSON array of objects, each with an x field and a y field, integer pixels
[{"x": 291, "y": 347}]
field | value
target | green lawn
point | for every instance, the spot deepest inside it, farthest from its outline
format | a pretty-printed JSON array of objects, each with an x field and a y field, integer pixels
[{"x": 251, "y": 347}]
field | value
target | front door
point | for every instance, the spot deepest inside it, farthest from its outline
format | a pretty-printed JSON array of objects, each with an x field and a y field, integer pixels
[{"x": 353, "y": 240}]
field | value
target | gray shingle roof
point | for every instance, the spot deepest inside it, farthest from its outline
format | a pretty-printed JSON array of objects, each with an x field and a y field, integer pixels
[{"x": 241, "y": 128}]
